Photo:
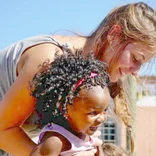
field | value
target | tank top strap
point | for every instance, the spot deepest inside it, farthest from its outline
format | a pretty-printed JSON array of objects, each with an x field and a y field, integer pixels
[{"x": 64, "y": 47}]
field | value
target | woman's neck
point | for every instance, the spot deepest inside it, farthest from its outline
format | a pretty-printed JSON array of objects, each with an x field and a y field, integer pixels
[
  {"x": 77, "y": 42},
  {"x": 88, "y": 46}
]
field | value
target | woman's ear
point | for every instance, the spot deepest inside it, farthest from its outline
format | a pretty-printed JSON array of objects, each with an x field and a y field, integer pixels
[{"x": 115, "y": 31}]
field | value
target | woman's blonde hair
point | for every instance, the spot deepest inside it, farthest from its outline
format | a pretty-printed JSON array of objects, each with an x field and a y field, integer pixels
[
  {"x": 138, "y": 24},
  {"x": 124, "y": 94},
  {"x": 110, "y": 149},
  {"x": 137, "y": 21}
]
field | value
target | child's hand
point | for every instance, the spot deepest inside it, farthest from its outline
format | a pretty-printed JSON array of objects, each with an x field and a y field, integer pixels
[
  {"x": 96, "y": 140},
  {"x": 98, "y": 143}
]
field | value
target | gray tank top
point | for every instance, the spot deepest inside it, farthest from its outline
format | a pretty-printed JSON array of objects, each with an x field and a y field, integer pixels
[{"x": 9, "y": 58}]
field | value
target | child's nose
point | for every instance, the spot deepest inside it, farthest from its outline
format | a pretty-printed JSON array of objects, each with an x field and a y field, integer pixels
[{"x": 102, "y": 118}]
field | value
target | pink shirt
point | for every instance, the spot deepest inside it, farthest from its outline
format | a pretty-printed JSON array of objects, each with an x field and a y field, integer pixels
[{"x": 77, "y": 144}]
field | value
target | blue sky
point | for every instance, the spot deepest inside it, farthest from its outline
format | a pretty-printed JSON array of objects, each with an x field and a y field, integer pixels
[{"x": 21, "y": 19}]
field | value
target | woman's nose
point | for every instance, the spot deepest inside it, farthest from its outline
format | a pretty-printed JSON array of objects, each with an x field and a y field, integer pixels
[{"x": 135, "y": 69}]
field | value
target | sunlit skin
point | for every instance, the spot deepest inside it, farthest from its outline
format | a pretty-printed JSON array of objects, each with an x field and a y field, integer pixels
[
  {"x": 134, "y": 55},
  {"x": 124, "y": 59},
  {"x": 18, "y": 96},
  {"x": 88, "y": 111}
]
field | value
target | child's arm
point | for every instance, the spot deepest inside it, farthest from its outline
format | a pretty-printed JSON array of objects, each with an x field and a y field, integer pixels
[{"x": 52, "y": 146}]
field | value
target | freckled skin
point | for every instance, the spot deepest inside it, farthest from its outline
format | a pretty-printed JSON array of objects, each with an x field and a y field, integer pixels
[{"x": 130, "y": 61}]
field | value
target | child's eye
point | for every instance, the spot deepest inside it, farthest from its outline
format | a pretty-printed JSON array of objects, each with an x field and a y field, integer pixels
[
  {"x": 93, "y": 113},
  {"x": 106, "y": 109}
]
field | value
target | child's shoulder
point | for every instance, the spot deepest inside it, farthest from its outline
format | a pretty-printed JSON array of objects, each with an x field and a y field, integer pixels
[
  {"x": 57, "y": 139},
  {"x": 52, "y": 143}
]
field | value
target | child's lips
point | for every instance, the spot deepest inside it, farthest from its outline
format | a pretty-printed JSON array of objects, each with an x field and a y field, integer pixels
[{"x": 93, "y": 128}]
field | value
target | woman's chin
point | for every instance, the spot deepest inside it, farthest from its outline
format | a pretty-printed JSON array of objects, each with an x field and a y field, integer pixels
[{"x": 114, "y": 77}]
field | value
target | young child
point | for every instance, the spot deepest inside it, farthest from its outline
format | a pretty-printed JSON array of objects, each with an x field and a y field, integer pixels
[{"x": 72, "y": 99}]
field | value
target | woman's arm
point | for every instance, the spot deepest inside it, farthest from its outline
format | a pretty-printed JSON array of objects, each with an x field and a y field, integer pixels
[
  {"x": 16, "y": 142},
  {"x": 17, "y": 104},
  {"x": 15, "y": 108}
]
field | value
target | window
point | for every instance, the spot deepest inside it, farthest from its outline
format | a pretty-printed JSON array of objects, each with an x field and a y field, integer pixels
[{"x": 108, "y": 132}]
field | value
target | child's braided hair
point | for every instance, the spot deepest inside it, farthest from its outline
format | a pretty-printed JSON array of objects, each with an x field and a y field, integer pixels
[{"x": 54, "y": 87}]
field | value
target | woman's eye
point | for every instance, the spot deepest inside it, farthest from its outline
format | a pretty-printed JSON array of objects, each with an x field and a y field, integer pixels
[{"x": 134, "y": 59}]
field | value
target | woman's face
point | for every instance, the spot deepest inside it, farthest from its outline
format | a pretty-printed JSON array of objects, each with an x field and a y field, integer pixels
[{"x": 129, "y": 61}]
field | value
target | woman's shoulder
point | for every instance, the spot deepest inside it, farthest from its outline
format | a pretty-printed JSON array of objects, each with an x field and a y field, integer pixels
[
  {"x": 40, "y": 53},
  {"x": 37, "y": 55}
]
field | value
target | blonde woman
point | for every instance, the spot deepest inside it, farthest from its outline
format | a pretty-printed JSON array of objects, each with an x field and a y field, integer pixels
[{"x": 125, "y": 40}]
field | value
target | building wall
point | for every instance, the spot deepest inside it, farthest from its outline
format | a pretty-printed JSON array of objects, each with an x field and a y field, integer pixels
[
  {"x": 146, "y": 117},
  {"x": 145, "y": 134},
  {"x": 146, "y": 131}
]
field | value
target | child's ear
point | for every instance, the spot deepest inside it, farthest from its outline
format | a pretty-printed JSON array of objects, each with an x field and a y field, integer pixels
[
  {"x": 115, "y": 31},
  {"x": 69, "y": 108}
]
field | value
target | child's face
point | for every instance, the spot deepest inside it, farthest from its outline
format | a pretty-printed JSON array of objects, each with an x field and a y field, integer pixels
[{"x": 88, "y": 111}]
